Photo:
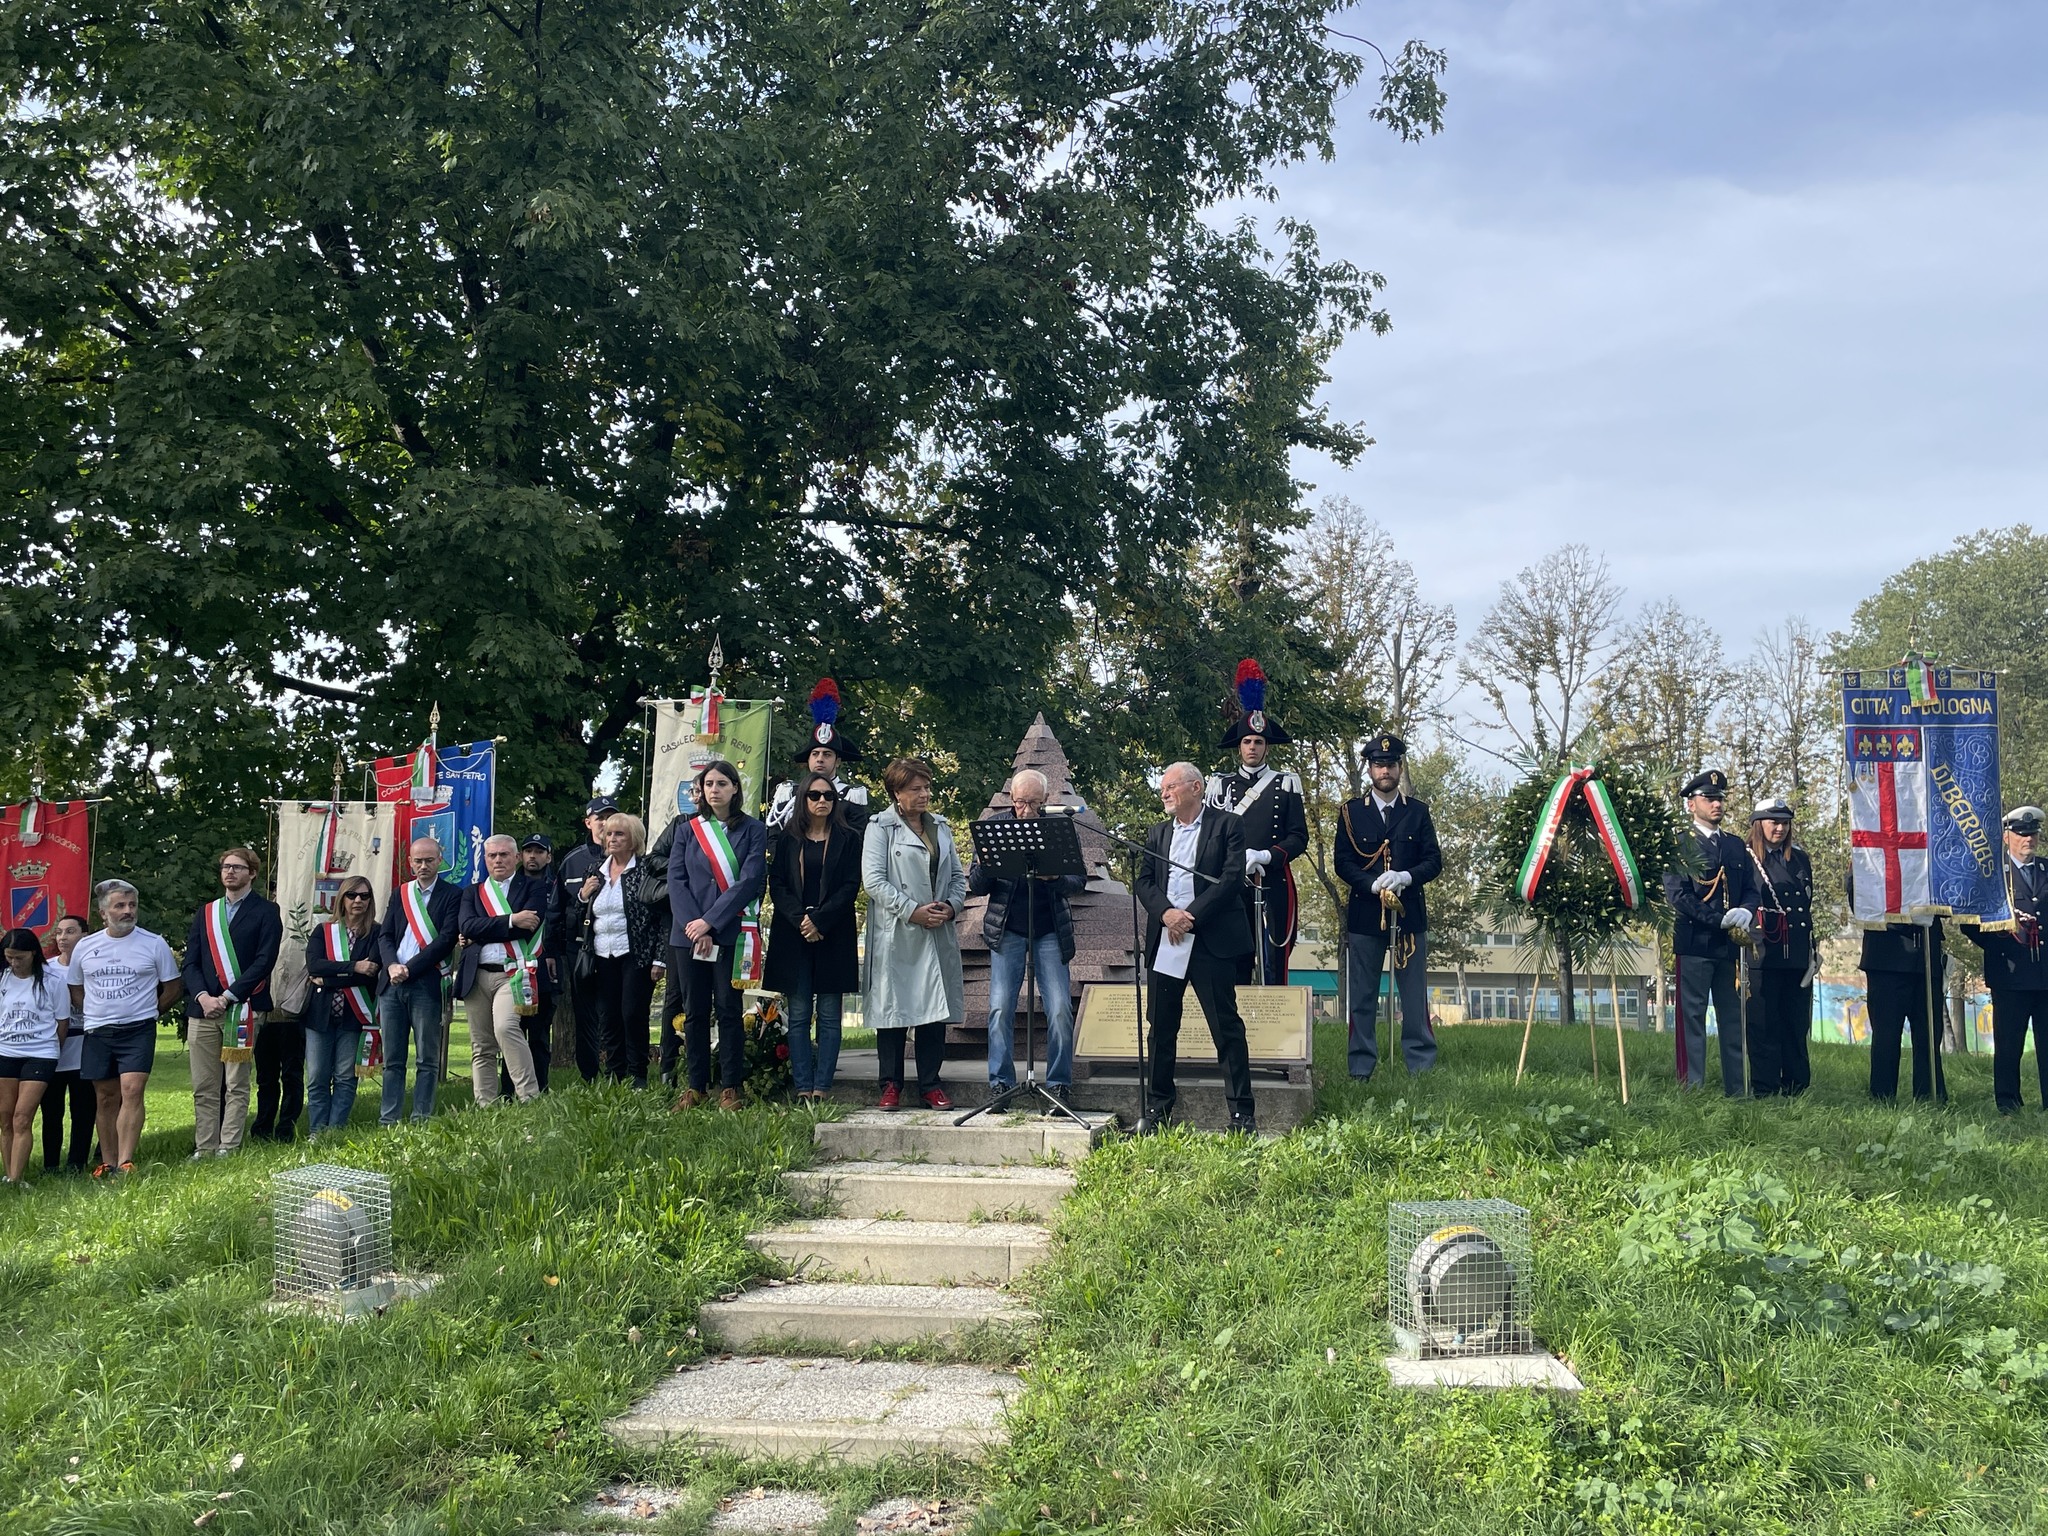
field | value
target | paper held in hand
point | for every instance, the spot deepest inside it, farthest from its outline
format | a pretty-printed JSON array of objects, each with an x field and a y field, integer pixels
[{"x": 1172, "y": 959}]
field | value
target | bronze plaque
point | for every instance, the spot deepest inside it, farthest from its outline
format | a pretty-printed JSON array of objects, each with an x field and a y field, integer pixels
[{"x": 1276, "y": 1025}]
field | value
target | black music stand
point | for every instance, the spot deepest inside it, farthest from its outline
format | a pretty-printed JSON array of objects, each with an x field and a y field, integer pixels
[{"x": 1028, "y": 848}]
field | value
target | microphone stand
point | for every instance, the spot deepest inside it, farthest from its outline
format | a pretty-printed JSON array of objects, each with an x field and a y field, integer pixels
[{"x": 1134, "y": 852}]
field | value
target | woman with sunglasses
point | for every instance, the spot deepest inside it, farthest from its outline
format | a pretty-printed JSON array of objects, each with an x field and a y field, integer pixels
[
  {"x": 813, "y": 950},
  {"x": 341, "y": 960}
]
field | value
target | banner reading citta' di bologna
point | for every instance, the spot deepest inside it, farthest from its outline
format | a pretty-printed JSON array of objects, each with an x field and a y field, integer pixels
[{"x": 1924, "y": 809}]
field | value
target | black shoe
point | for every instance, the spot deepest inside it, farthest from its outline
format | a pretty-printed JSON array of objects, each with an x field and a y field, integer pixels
[
  {"x": 1057, "y": 1093},
  {"x": 1152, "y": 1122},
  {"x": 1243, "y": 1125}
]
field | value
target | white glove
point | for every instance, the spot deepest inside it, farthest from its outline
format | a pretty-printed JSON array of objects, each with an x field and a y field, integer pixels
[
  {"x": 1256, "y": 859},
  {"x": 1736, "y": 917},
  {"x": 1393, "y": 880}
]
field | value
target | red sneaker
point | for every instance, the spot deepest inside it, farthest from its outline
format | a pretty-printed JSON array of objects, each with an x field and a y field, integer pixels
[
  {"x": 892, "y": 1096},
  {"x": 935, "y": 1098}
]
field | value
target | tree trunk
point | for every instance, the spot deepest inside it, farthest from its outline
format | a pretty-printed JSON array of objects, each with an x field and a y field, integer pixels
[{"x": 1567, "y": 1010}]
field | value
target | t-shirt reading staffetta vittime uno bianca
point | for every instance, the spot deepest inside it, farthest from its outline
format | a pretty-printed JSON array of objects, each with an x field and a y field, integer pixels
[
  {"x": 29, "y": 1011},
  {"x": 120, "y": 976}
]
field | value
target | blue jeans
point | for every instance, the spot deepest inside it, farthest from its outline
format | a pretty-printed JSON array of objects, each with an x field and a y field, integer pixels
[
  {"x": 1055, "y": 997},
  {"x": 330, "y": 1075},
  {"x": 812, "y": 1067},
  {"x": 408, "y": 1009}
]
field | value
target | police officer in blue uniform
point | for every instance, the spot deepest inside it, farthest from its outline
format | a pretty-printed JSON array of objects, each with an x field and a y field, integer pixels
[
  {"x": 1715, "y": 906},
  {"x": 1894, "y": 963},
  {"x": 2015, "y": 969},
  {"x": 1269, "y": 811},
  {"x": 1387, "y": 847},
  {"x": 1781, "y": 968}
]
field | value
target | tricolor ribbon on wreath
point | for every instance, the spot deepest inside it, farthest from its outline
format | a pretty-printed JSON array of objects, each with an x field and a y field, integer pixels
[
  {"x": 525, "y": 971},
  {"x": 717, "y": 849},
  {"x": 238, "y": 1024},
  {"x": 1586, "y": 782}
]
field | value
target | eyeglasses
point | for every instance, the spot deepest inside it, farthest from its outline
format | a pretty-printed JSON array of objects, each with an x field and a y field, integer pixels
[
  {"x": 825, "y": 795},
  {"x": 242, "y": 867}
]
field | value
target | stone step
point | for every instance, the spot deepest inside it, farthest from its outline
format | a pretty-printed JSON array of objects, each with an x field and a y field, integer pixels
[
  {"x": 846, "y": 1410},
  {"x": 908, "y": 1252},
  {"x": 932, "y": 1191},
  {"x": 929, "y": 1136},
  {"x": 835, "y": 1315}
]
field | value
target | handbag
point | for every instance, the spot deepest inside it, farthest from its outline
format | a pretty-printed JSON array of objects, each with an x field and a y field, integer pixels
[{"x": 583, "y": 970}]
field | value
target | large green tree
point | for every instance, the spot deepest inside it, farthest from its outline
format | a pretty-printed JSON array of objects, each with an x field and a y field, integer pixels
[{"x": 502, "y": 354}]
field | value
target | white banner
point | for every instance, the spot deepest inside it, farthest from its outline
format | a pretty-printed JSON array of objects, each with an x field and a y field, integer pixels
[
  {"x": 680, "y": 749},
  {"x": 310, "y": 871}
]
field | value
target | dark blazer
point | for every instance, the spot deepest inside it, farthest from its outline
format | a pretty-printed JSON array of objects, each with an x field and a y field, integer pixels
[
  {"x": 257, "y": 931},
  {"x": 480, "y": 928},
  {"x": 1003, "y": 894},
  {"x": 693, "y": 893},
  {"x": 2010, "y": 963},
  {"x": 444, "y": 906},
  {"x": 1408, "y": 833},
  {"x": 1787, "y": 885},
  {"x": 644, "y": 937},
  {"x": 330, "y": 977},
  {"x": 835, "y": 959},
  {"x": 1726, "y": 879},
  {"x": 1221, "y": 928}
]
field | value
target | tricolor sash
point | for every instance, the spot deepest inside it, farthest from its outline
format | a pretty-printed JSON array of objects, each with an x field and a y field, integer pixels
[
  {"x": 525, "y": 973},
  {"x": 238, "y": 1024},
  {"x": 1613, "y": 840},
  {"x": 747, "y": 954},
  {"x": 418, "y": 917},
  {"x": 355, "y": 996}
]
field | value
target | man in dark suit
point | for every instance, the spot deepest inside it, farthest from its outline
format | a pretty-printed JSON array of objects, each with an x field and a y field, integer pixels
[
  {"x": 501, "y": 921},
  {"x": 1712, "y": 905},
  {"x": 576, "y": 866},
  {"x": 1387, "y": 849},
  {"x": 229, "y": 954},
  {"x": 414, "y": 942},
  {"x": 2015, "y": 970},
  {"x": 537, "y": 863},
  {"x": 1201, "y": 908}
]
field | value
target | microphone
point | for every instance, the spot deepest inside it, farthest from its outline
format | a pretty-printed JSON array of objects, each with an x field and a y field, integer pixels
[{"x": 1063, "y": 810}]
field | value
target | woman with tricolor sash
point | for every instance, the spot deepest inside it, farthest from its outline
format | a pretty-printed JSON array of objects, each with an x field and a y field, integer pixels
[
  {"x": 343, "y": 1041},
  {"x": 716, "y": 872}
]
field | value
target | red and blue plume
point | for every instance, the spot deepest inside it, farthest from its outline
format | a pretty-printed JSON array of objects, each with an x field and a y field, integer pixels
[
  {"x": 825, "y": 702},
  {"x": 1251, "y": 685}
]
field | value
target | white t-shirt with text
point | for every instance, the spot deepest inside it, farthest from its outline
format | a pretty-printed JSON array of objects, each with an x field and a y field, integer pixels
[
  {"x": 120, "y": 976},
  {"x": 29, "y": 1011}
]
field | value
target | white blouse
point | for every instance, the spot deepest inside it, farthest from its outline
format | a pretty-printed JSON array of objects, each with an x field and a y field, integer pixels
[{"x": 611, "y": 935}]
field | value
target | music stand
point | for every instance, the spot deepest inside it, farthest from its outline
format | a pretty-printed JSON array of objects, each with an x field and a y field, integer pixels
[{"x": 1027, "y": 848}]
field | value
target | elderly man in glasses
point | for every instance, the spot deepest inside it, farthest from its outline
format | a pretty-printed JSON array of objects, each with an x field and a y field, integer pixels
[{"x": 229, "y": 953}]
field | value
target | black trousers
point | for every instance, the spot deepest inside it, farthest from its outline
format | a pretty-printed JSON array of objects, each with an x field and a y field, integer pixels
[
  {"x": 930, "y": 1048},
  {"x": 584, "y": 1004},
  {"x": 2013, "y": 1013},
  {"x": 623, "y": 990},
  {"x": 675, "y": 1003},
  {"x": 1276, "y": 919},
  {"x": 280, "y": 1079},
  {"x": 1780, "y": 1020},
  {"x": 708, "y": 990},
  {"x": 1214, "y": 983},
  {"x": 538, "y": 1028},
  {"x": 1898, "y": 1001},
  {"x": 68, "y": 1089}
]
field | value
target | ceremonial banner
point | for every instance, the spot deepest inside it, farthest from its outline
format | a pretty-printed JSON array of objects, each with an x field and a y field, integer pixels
[
  {"x": 681, "y": 747},
  {"x": 46, "y": 861},
  {"x": 451, "y": 803},
  {"x": 318, "y": 844},
  {"x": 1924, "y": 808}
]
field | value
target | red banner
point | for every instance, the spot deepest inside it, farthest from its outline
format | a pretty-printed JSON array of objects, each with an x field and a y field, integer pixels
[
  {"x": 47, "y": 864},
  {"x": 394, "y": 786}
]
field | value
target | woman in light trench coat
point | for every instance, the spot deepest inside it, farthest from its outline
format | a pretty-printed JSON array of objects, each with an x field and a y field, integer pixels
[{"x": 916, "y": 889}]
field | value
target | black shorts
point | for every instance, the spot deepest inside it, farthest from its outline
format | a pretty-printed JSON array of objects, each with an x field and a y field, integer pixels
[
  {"x": 118, "y": 1049},
  {"x": 29, "y": 1069}
]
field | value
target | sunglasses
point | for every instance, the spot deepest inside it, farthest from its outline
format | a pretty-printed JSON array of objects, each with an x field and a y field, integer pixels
[
  {"x": 356, "y": 896},
  {"x": 825, "y": 795}
]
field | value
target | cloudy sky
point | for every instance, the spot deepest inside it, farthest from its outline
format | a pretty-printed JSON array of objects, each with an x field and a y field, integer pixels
[{"x": 1750, "y": 296}]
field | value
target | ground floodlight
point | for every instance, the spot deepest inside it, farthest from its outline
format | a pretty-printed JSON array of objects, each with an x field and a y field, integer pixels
[
  {"x": 333, "y": 1236},
  {"x": 1458, "y": 1275}
]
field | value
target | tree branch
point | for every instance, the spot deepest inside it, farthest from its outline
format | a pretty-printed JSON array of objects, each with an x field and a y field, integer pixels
[{"x": 317, "y": 690}]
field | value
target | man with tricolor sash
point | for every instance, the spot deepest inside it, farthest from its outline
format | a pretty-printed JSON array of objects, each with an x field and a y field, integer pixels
[
  {"x": 1387, "y": 851},
  {"x": 229, "y": 954},
  {"x": 1715, "y": 901},
  {"x": 498, "y": 979},
  {"x": 418, "y": 935}
]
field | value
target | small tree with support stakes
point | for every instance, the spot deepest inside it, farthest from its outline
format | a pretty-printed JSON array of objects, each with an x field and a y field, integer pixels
[{"x": 1577, "y": 855}]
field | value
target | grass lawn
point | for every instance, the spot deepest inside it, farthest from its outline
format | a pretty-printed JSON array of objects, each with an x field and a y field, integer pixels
[{"x": 1817, "y": 1316}]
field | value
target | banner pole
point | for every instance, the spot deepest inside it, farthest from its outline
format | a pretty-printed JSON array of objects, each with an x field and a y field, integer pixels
[{"x": 646, "y": 740}]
